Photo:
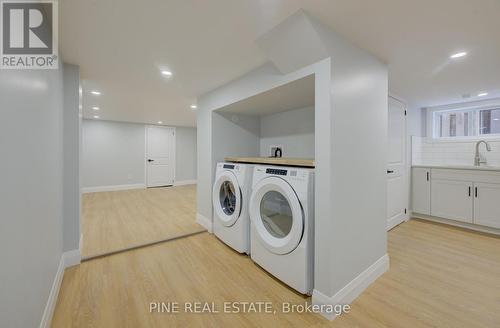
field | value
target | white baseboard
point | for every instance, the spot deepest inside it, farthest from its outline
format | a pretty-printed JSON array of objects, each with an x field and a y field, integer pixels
[
  {"x": 396, "y": 221},
  {"x": 184, "y": 182},
  {"x": 204, "y": 221},
  {"x": 114, "y": 188},
  {"x": 68, "y": 259},
  {"x": 354, "y": 288},
  {"x": 465, "y": 225}
]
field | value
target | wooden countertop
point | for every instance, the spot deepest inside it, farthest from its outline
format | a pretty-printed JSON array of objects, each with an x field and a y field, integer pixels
[{"x": 284, "y": 161}]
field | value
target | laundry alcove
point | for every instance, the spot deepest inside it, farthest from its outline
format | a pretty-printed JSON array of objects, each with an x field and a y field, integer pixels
[{"x": 282, "y": 117}]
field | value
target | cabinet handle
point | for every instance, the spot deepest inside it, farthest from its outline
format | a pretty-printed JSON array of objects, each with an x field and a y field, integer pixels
[
  {"x": 475, "y": 191},
  {"x": 427, "y": 175},
  {"x": 469, "y": 190}
]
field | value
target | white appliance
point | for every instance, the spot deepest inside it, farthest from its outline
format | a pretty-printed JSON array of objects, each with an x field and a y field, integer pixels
[
  {"x": 282, "y": 224},
  {"x": 231, "y": 192}
]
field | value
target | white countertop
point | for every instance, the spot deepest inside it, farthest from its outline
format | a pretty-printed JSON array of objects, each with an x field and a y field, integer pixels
[{"x": 460, "y": 167}]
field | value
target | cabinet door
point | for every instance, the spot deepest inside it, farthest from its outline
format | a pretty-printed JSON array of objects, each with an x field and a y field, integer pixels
[
  {"x": 452, "y": 199},
  {"x": 487, "y": 204},
  {"x": 421, "y": 190}
]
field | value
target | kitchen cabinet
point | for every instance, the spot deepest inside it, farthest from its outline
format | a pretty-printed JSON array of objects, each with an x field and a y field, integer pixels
[
  {"x": 487, "y": 204},
  {"x": 421, "y": 190},
  {"x": 452, "y": 200},
  {"x": 466, "y": 195}
]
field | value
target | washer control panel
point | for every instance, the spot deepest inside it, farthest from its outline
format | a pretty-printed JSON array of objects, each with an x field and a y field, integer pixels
[{"x": 276, "y": 171}]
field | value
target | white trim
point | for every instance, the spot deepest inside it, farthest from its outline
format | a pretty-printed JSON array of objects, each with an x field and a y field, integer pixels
[
  {"x": 354, "y": 288},
  {"x": 396, "y": 221},
  {"x": 407, "y": 166},
  {"x": 459, "y": 224},
  {"x": 204, "y": 222},
  {"x": 68, "y": 259},
  {"x": 114, "y": 188},
  {"x": 493, "y": 137},
  {"x": 185, "y": 182},
  {"x": 80, "y": 244},
  {"x": 72, "y": 258}
]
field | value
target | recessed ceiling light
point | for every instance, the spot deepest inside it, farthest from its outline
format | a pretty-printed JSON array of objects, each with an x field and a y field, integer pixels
[
  {"x": 95, "y": 92},
  {"x": 166, "y": 73},
  {"x": 96, "y": 116},
  {"x": 95, "y": 108},
  {"x": 458, "y": 55},
  {"x": 482, "y": 94},
  {"x": 194, "y": 106},
  {"x": 496, "y": 119},
  {"x": 160, "y": 122}
]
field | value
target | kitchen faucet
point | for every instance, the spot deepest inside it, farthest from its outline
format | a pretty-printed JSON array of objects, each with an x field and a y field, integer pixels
[{"x": 477, "y": 158}]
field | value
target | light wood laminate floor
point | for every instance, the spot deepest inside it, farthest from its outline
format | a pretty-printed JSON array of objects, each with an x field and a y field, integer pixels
[
  {"x": 439, "y": 277},
  {"x": 118, "y": 220}
]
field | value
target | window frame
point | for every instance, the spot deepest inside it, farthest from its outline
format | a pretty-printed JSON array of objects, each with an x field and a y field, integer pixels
[{"x": 474, "y": 107}]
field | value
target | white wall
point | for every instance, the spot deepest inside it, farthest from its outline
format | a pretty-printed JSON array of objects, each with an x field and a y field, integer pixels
[
  {"x": 31, "y": 192},
  {"x": 356, "y": 238},
  {"x": 185, "y": 154},
  {"x": 113, "y": 154},
  {"x": 293, "y": 129},
  {"x": 71, "y": 163},
  {"x": 426, "y": 151}
]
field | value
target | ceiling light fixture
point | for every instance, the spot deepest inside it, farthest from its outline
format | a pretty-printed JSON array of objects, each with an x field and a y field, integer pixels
[
  {"x": 97, "y": 93},
  {"x": 194, "y": 106},
  {"x": 96, "y": 116},
  {"x": 482, "y": 94},
  {"x": 458, "y": 55},
  {"x": 166, "y": 73},
  {"x": 160, "y": 122},
  {"x": 496, "y": 119},
  {"x": 95, "y": 108}
]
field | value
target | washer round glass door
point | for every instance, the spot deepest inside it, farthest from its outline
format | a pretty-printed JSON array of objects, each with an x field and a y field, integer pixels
[
  {"x": 227, "y": 198},
  {"x": 277, "y": 215}
]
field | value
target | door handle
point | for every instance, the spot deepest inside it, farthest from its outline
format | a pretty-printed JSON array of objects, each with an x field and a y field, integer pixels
[
  {"x": 390, "y": 171},
  {"x": 151, "y": 160},
  {"x": 475, "y": 191},
  {"x": 427, "y": 174},
  {"x": 469, "y": 190}
]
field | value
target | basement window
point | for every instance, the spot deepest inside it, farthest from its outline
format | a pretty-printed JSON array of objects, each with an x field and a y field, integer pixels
[
  {"x": 463, "y": 123},
  {"x": 489, "y": 121},
  {"x": 453, "y": 124}
]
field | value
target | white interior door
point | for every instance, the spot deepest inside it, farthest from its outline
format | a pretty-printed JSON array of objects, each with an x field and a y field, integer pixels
[
  {"x": 160, "y": 156},
  {"x": 397, "y": 191}
]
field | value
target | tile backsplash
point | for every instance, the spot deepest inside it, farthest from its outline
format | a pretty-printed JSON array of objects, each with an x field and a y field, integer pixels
[{"x": 431, "y": 152}]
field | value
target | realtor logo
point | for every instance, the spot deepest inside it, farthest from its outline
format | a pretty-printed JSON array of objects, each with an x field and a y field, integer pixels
[{"x": 28, "y": 34}]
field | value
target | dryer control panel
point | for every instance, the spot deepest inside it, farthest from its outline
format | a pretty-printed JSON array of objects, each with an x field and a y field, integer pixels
[{"x": 276, "y": 171}]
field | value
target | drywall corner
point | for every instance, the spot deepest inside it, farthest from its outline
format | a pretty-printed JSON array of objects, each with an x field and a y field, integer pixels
[
  {"x": 352, "y": 290},
  {"x": 293, "y": 44}
]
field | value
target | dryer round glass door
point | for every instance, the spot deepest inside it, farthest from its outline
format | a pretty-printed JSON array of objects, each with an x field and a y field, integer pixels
[
  {"x": 227, "y": 198},
  {"x": 277, "y": 215}
]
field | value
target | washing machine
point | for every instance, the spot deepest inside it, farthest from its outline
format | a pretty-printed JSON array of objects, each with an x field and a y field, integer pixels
[
  {"x": 231, "y": 192},
  {"x": 282, "y": 224}
]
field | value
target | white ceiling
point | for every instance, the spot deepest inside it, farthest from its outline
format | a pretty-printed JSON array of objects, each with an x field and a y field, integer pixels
[
  {"x": 293, "y": 95},
  {"x": 121, "y": 46}
]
